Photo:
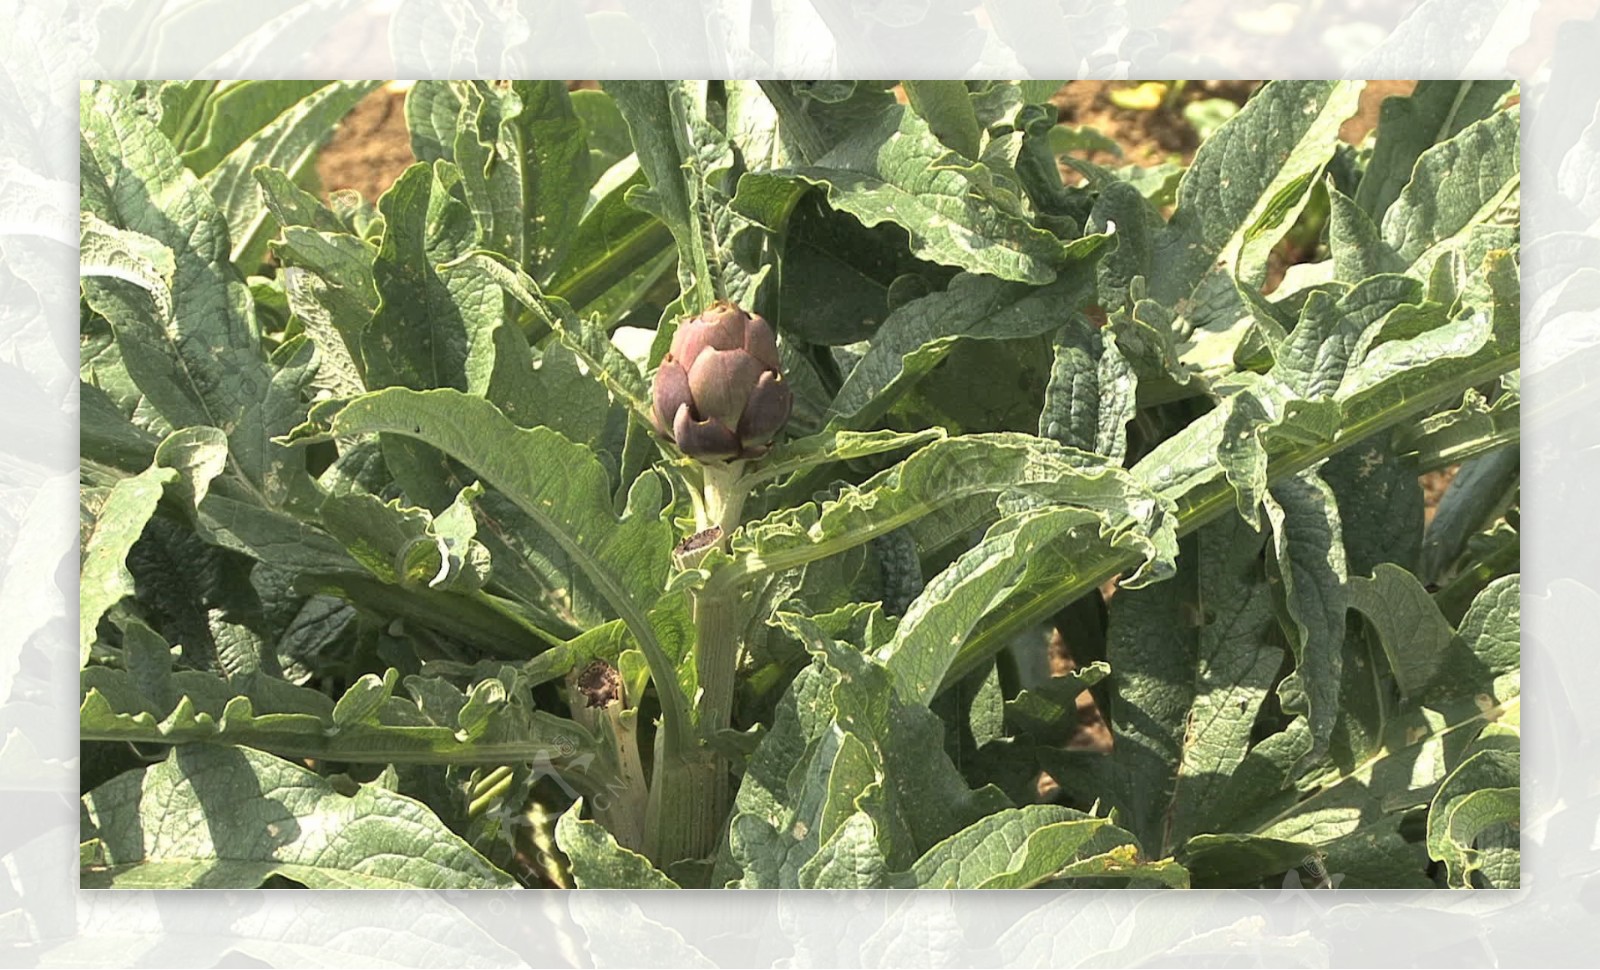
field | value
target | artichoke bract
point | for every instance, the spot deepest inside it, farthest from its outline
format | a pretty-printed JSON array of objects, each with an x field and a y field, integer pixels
[{"x": 720, "y": 392}]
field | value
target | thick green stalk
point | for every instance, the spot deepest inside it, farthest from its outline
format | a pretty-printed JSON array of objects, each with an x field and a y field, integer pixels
[
  {"x": 717, "y": 647},
  {"x": 683, "y": 821},
  {"x": 690, "y": 795},
  {"x": 716, "y": 611}
]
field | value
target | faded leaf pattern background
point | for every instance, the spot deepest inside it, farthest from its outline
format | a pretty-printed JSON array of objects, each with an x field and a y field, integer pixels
[{"x": 1549, "y": 46}]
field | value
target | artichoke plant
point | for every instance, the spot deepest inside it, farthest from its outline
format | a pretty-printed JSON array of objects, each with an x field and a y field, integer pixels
[{"x": 720, "y": 392}]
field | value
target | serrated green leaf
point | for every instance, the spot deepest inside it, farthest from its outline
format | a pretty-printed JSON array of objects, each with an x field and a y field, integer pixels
[
  {"x": 947, "y": 109},
  {"x": 1071, "y": 413},
  {"x": 603, "y": 127},
  {"x": 1452, "y": 437},
  {"x": 377, "y": 534},
  {"x": 683, "y": 156},
  {"x": 1455, "y": 191},
  {"x": 1380, "y": 504},
  {"x": 1483, "y": 791},
  {"x": 198, "y": 358},
  {"x": 598, "y": 862},
  {"x": 1355, "y": 242},
  {"x": 1414, "y": 633},
  {"x": 616, "y": 253},
  {"x": 605, "y": 363},
  {"x": 524, "y": 164},
  {"x": 1486, "y": 662},
  {"x": 939, "y": 620},
  {"x": 106, "y": 436},
  {"x": 183, "y": 103},
  {"x": 148, "y": 659},
  {"x": 841, "y": 280},
  {"x": 1397, "y": 380},
  {"x": 1309, "y": 557},
  {"x": 368, "y": 724},
  {"x": 1194, "y": 650},
  {"x": 234, "y": 111},
  {"x": 198, "y": 454},
  {"x": 288, "y": 143},
  {"x": 1243, "y": 191},
  {"x": 429, "y": 330},
  {"x": 1407, "y": 126},
  {"x": 798, "y": 454},
  {"x": 1478, "y": 343},
  {"x": 916, "y": 337},
  {"x": 328, "y": 279},
  {"x": 939, "y": 475},
  {"x": 104, "y": 578},
  {"x": 841, "y": 791},
  {"x": 265, "y": 817},
  {"x": 559, "y": 484},
  {"x": 269, "y": 535},
  {"x": 1021, "y": 847},
  {"x": 894, "y": 169},
  {"x": 432, "y": 108}
]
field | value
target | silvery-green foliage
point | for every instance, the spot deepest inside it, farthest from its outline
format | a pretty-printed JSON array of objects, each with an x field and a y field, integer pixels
[{"x": 364, "y": 495}]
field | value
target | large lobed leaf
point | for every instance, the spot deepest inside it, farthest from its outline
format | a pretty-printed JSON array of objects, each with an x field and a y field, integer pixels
[
  {"x": 1391, "y": 755},
  {"x": 288, "y": 142},
  {"x": 849, "y": 786},
  {"x": 1192, "y": 662},
  {"x": 559, "y": 485},
  {"x": 159, "y": 273},
  {"x": 893, "y": 168},
  {"x": 1018, "y": 848},
  {"x": 370, "y": 723},
  {"x": 104, "y": 578},
  {"x": 231, "y": 818}
]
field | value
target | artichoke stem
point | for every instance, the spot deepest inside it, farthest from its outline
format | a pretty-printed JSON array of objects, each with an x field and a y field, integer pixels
[
  {"x": 692, "y": 792},
  {"x": 724, "y": 496}
]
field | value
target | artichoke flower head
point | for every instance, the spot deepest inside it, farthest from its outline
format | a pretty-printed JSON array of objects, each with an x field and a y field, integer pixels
[{"x": 720, "y": 392}]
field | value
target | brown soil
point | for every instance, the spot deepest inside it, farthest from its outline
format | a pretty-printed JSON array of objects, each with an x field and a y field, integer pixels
[
  {"x": 1433, "y": 489},
  {"x": 371, "y": 147}
]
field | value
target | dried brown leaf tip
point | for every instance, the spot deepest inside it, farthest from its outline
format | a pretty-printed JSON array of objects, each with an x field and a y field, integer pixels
[{"x": 600, "y": 684}]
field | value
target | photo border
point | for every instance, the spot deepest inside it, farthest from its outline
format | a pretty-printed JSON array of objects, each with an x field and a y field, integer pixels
[{"x": 1548, "y": 46}]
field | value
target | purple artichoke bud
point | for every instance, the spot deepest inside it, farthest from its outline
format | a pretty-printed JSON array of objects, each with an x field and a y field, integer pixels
[{"x": 720, "y": 392}]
